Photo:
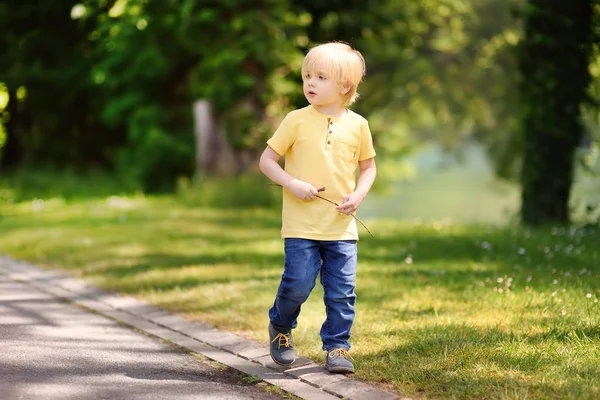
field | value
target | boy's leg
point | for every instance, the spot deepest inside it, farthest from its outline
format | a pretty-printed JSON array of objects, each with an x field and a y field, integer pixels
[
  {"x": 301, "y": 267},
  {"x": 302, "y": 264},
  {"x": 338, "y": 277}
]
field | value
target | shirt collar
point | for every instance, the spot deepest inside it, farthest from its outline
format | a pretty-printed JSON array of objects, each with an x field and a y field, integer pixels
[{"x": 329, "y": 117}]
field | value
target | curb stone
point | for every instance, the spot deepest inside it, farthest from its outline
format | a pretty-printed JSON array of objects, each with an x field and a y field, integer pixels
[{"x": 305, "y": 379}]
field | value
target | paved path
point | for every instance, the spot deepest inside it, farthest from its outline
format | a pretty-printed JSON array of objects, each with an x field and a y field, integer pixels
[
  {"x": 51, "y": 349},
  {"x": 62, "y": 339}
]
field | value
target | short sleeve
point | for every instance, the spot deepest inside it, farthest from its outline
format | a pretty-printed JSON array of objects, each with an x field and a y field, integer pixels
[
  {"x": 285, "y": 135},
  {"x": 366, "y": 143}
]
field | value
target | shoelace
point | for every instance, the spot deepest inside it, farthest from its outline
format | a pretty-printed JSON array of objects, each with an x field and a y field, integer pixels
[
  {"x": 284, "y": 340},
  {"x": 340, "y": 353}
]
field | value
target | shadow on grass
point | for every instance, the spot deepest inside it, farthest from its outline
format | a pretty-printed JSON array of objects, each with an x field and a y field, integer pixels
[
  {"x": 475, "y": 245},
  {"x": 509, "y": 250},
  {"x": 465, "y": 362},
  {"x": 157, "y": 262},
  {"x": 247, "y": 220},
  {"x": 451, "y": 260}
]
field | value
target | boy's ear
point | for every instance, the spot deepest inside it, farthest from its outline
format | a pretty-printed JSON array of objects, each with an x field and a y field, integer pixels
[{"x": 344, "y": 90}]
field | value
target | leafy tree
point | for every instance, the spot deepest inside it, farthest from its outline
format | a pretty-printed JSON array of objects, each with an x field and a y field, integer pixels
[
  {"x": 436, "y": 70},
  {"x": 554, "y": 63},
  {"x": 248, "y": 59},
  {"x": 111, "y": 82},
  {"x": 45, "y": 65},
  {"x": 140, "y": 71}
]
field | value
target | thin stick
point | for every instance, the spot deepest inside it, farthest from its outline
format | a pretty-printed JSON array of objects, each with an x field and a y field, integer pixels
[
  {"x": 318, "y": 190},
  {"x": 335, "y": 204},
  {"x": 355, "y": 217}
]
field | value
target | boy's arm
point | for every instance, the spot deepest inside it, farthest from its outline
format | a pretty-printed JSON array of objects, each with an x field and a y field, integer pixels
[
  {"x": 268, "y": 164},
  {"x": 366, "y": 177}
]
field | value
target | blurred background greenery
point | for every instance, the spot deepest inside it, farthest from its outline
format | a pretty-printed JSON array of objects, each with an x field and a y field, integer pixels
[{"x": 456, "y": 93}]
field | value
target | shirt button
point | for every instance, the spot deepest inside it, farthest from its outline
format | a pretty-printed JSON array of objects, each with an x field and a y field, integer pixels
[
  {"x": 331, "y": 123},
  {"x": 330, "y": 132},
  {"x": 329, "y": 142}
]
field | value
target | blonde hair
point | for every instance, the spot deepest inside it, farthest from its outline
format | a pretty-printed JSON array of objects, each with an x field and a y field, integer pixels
[{"x": 339, "y": 61}]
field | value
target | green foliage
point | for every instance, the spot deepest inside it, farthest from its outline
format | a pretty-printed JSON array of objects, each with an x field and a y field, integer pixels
[
  {"x": 161, "y": 56},
  {"x": 443, "y": 71},
  {"x": 111, "y": 83},
  {"x": 44, "y": 65},
  {"x": 141, "y": 69},
  {"x": 134, "y": 68},
  {"x": 259, "y": 39},
  {"x": 3, "y": 104},
  {"x": 249, "y": 84},
  {"x": 251, "y": 379}
]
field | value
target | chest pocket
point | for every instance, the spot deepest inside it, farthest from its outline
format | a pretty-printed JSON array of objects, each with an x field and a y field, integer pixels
[{"x": 348, "y": 149}]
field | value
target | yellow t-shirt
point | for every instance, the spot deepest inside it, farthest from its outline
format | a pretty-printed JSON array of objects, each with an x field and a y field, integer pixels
[{"x": 324, "y": 151}]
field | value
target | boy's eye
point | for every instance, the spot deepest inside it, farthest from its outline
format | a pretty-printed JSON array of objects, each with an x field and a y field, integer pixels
[
  {"x": 307, "y": 76},
  {"x": 322, "y": 77}
]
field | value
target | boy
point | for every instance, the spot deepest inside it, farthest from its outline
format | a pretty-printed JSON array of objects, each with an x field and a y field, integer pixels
[{"x": 323, "y": 145}]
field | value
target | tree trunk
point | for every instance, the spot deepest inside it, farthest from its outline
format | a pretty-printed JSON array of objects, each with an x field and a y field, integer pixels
[
  {"x": 554, "y": 60},
  {"x": 213, "y": 153}
]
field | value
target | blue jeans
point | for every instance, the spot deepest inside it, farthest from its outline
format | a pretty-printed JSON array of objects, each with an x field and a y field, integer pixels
[{"x": 304, "y": 260}]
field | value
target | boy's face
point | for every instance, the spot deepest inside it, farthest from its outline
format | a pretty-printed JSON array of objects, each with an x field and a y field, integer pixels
[{"x": 322, "y": 90}]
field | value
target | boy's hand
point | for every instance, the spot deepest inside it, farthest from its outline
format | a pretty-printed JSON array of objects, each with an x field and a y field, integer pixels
[
  {"x": 350, "y": 203},
  {"x": 303, "y": 190}
]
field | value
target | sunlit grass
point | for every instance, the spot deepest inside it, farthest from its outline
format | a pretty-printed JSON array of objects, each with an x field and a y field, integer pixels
[{"x": 444, "y": 310}]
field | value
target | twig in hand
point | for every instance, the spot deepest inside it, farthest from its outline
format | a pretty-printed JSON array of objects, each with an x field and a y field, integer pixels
[
  {"x": 335, "y": 204},
  {"x": 355, "y": 217}
]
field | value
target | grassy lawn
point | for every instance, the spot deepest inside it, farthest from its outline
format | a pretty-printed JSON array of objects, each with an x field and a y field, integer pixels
[{"x": 444, "y": 311}]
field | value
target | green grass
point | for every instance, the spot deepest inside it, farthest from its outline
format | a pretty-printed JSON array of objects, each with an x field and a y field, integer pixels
[
  {"x": 29, "y": 183},
  {"x": 444, "y": 310}
]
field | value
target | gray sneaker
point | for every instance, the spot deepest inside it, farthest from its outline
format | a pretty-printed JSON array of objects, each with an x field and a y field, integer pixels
[
  {"x": 281, "y": 346},
  {"x": 338, "y": 360}
]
